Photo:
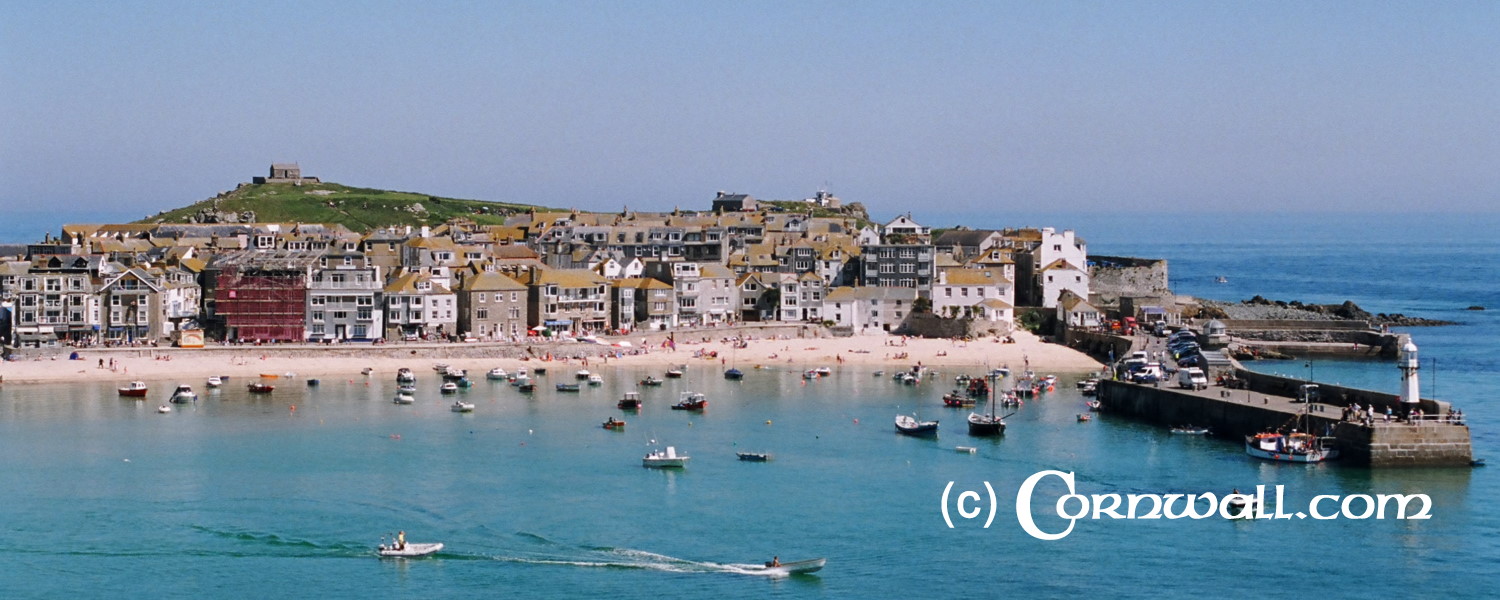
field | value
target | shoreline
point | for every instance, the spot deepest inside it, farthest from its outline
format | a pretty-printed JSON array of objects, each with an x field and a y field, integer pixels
[{"x": 868, "y": 351}]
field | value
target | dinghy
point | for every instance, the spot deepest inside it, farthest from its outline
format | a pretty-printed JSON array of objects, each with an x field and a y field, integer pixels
[{"x": 408, "y": 551}]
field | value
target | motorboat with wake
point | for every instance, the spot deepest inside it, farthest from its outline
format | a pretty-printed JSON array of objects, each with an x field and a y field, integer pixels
[
  {"x": 801, "y": 567},
  {"x": 409, "y": 550}
]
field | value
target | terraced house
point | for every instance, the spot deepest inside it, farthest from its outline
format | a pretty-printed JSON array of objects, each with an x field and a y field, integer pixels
[
  {"x": 568, "y": 301},
  {"x": 491, "y": 307}
]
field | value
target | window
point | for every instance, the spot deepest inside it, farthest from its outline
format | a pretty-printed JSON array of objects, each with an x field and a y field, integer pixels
[
  {"x": 365, "y": 314},
  {"x": 317, "y": 315},
  {"x": 658, "y": 306},
  {"x": 317, "y": 329},
  {"x": 365, "y": 300},
  {"x": 361, "y": 331},
  {"x": 481, "y": 299},
  {"x": 53, "y": 285},
  {"x": 75, "y": 284},
  {"x": 963, "y": 292},
  {"x": 28, "y": 285},
  {"x": 515, "y": 313},
  {"x": 337, "y": 278},
  {"x": 515, "y": 296},
  {"x": 482, "y": 313},
  {"x": 908, "y": 268},
  {"x": 29, "y": 301},
  {"x": 340, "y": 315},
  {"x": 948, "y": 292},
  {"x": 318, "y": 301}
]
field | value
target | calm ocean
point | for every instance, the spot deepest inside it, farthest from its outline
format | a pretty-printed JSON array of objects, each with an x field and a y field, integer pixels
[{"x": 237, "y": 496}]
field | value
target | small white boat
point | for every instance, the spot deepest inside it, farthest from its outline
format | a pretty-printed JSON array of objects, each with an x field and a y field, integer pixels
[
  {"x": 792, "y": 568},
  {"x": 184, "y": 394},
  {"x": 214, "y": 381},
  {"x": 440, "y": 367},
  {"x": 582, "y": 374},
  {"x": 134, "y": 389},
  {"x": 595, "y": 379},
  {"x": 404, "y": 375},
  {"x": 411, "y": 550},
  {"x": 667, "y": 459},
  {"x": 366, "y": 371},
  {"x": 407, "y": 389},
  {"x": 823, "y": 371},
  {"x": 520, "y": 379},
  {"x": 449, "y": 387},
  {"x": 463, "y": 407},
  {"x": 164, "y": 409},
  {"x": 497, "y": 374},
  {"x": 404, "y": 398}
]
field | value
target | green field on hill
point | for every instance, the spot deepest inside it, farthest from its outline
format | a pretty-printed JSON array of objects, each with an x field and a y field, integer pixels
[{"x": 359, "y": 209}]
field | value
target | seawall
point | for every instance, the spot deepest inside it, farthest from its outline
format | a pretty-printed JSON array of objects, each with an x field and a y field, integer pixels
[{"x": 1237, "y": 413}]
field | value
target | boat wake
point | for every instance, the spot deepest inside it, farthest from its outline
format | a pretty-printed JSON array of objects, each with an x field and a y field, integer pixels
[{"x": 605, "y": 557}]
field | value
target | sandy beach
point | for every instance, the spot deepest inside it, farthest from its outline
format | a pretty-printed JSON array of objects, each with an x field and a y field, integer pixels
[{"x": 863, "y": 352}]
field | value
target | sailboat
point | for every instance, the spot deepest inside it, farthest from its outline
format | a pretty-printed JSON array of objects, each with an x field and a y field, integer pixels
[{"x": 988, "y": 425}]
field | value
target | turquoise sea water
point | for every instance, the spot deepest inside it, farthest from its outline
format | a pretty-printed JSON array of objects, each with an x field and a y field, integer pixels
[{"x": 237, "y": 496}]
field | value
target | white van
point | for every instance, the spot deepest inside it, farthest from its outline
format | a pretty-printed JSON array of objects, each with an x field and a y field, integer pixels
[{"x": 1192, "y": 378}]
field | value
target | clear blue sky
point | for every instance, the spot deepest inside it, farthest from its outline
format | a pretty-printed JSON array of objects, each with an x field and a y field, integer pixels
[{"x": 121, "y": 109}]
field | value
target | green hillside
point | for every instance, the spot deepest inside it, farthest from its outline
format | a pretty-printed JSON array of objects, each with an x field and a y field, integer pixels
[{"x": 359, "y": 209}]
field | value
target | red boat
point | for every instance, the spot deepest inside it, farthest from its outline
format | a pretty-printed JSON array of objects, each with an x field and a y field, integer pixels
[
  {"x": 134, "y": 389},
  {"x": 957, "y": 400},
  {"x": 691, "y": 401},
  {"x": 615, "y": 424},
  {"x": 261, "y": 388}
]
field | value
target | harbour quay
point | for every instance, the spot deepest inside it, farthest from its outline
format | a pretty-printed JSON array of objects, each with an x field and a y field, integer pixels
[{"x": 1270, "y": 403}]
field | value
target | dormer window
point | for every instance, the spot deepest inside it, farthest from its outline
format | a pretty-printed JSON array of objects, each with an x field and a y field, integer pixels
[{"x": 423, "y": 286}]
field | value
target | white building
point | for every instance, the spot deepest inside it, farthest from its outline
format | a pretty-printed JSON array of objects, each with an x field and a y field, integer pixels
[
  {"x": 869, "y": 309},
  {"x": 985, "y": 294}
]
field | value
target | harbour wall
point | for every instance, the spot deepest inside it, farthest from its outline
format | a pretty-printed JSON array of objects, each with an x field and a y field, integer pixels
[{"x": 1237, "y": 413}]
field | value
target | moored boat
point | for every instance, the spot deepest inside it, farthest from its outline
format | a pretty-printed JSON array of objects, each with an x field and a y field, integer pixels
[
  {"x": 651, "y": 381},
  {"x": 1190, "y": 430},
  {"x": 1294, "y": 447},
  {"x": 596, "y": 379},
  {"x": 753, "y": 456},
  {"x": 164, "y": 409},
  {"x": 184, "y": 394},
  {"x": 404, "y": 398},
  {"x": 1082, "y": 417},
  {"x": 734, "y": 374},
  {"x": 497, "y": 374},
  {"x": 526, "y": 388},
  {"x": 460, "y": 406},
  {"x": 631, "y": 401},
  {"x": 690, "y": 401},
  {"x": 448, "y": 387},
  {"x": 665, "y": 459},
  {"x": 260, "y": 388},
  {"x": 214, "y": 381},
  {"x": 582, "y": 374},
  {"x": 955, "y": 399},
  {"x": 567, "y": 387},
  {"x": 404, "y": 375},
  {"x": 909, "y": 425},
  {"x": 615, "y": 424},
  {"x": 134, "y": 389},
  {"x": 674, "y": 373}
]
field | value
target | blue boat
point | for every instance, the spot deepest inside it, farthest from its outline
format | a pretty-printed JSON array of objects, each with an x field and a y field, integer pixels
[{"x": 734, "y": 374}]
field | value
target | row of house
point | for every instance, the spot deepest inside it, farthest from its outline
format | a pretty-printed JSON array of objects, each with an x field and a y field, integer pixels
[{"x": 537, "y": 274}]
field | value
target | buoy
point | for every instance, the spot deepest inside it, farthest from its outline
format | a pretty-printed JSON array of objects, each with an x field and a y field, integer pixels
[
  {"x": 856, "y": 421},
  {"x": 768, "y": 421},
  {"x": 529, "y": 432}
]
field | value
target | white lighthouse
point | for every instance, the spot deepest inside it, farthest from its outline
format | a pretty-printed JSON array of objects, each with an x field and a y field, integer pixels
[{"x": 1411, "y": 391}]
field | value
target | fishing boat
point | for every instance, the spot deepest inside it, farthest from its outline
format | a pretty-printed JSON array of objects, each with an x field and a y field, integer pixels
[
  {"x": 1084, "y": 417},
  {"x": 410, "y": 550},
  {"x": 674, "y": 373},
  {"x": 464, "y": 382},
  {"x": 407, "y": 388},
  {"x": 810, "y": 374},
  {"x": 753, "y": 456},
  {"x": 909, "y": 425},
  {"x": 665, "y": 459},
  {"x": 1293, "y": 447},
  {"x": 520, "y": 379},
  {"x": 1298, "y": 446},
  {"x": 454, "y": 374},
  {"x": 1190, "y": 430},
  {"x": 214, "y": 381},
  {"x": 184, "y": 394},
  {"x": 539, "y": 371},
  {"x": 956, "y": 399},
  {"x": 261, "y": 388},
  {"x": 734, "y": 374},
  {"x": 404, "y": 375},
  {"x": 567, "y": 387},
  {"x": 582, "y": 374},
  {"x": 497, "y": 374},
  {"x": 614, "y": 424},
  {"x": 404, "y": 398},
  {"x": 134, "y": 389},
  {"x": 690, "y": 401},
  {"x": 448, "y": 387},
  {"x": 460, "y": 406},
  {"x": 526, "y": 388},
  {"x": 164, "y": 409},
  {"x": 631, "y": 401},
  {"x": 651, "y": 381},
  {"x": 1089, "y": 387},
  {"x": 595, "y": 379},
  {"x": 801, "y": 567}
]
